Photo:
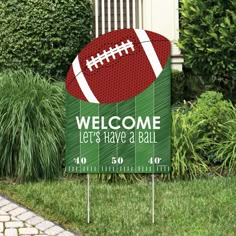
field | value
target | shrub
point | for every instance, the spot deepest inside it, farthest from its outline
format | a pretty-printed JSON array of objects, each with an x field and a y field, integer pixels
[
  {"x": 214, "y": 112},
  {"x": 208, "y": 39},
  {"x": 31, "y": 126},
  {"x": 43, "y": 35},
  {"x": 203, "y": 135},
  {"x": 220, "y": 125},
  {"x": 177, "y": 86},
  {"x": 186, "y": 146},
  {"x": 225, "y": 150},
  {"x": 186, "y": 86}
]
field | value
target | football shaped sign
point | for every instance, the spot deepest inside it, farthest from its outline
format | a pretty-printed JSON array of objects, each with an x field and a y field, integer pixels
[{"x": 118, "y": 105}]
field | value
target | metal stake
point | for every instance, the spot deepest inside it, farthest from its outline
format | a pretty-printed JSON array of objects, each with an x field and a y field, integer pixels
[
  {"x": 153, "y": 200},
  {"x": 88, "y": 200}
]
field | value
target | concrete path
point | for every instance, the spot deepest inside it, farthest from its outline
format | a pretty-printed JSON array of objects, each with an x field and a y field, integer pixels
[{"x": 16, "y": 220}]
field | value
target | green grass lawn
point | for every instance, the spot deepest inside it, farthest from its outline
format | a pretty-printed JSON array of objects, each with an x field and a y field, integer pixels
[{"x": 200, "y": 207}]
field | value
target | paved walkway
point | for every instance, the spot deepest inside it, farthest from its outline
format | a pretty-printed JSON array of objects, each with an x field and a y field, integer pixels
[{"x": 16, "y": 220}]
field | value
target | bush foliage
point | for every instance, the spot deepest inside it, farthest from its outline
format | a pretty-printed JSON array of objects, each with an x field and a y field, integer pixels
[
  {"x": 186, "y": 146},
  {"x": 177, "y": 86},
  {"x": 208, "y": 38},
  {"x": 43, "y": 35},
  {"x": 203, "y": 135},
  {"x": 31, "y": 127}
]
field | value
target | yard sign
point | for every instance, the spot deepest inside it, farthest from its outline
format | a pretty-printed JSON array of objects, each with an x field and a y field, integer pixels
[{"x": 139, "y": 140}]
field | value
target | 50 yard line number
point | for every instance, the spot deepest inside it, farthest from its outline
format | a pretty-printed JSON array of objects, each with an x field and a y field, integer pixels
[{"x": 117, "y": 160}]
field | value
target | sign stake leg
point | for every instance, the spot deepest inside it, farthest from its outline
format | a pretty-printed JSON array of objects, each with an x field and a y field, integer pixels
[
  {"x": 153, "y": 200},
  {"x": 88, "y": 199}
]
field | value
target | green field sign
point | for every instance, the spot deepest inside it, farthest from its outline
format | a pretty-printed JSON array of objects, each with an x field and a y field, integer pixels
[{"x": 139, "y": 140}]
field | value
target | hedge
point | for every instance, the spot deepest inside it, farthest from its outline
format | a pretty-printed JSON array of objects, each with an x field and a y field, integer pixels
[
  {"x": 43, "y": 35},
  {"x": 208, "y": 37}
]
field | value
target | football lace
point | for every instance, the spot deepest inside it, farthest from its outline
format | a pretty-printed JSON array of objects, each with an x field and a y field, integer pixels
[{"x": 118, "y": 49}]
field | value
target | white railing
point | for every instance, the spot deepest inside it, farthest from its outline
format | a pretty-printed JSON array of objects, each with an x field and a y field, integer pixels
[
  {"x": 161, "y": 16},
  {"x": 117, "y": 14}
]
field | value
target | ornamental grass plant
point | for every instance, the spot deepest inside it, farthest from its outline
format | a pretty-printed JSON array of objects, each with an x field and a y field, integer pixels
[{"x": 31, "y": 126}]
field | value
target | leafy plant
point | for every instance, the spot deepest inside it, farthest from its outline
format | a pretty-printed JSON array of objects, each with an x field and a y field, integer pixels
[
  {"x": 43, "y": 35},
  {"x": 214, "y": 112},
  {"x": 211, "y": 108},
  {"x": 177, "y": 86},
  {"x": 31, "y": 126},
  {"x": 204, "y": 135},
  {"x": 208, "y": 40},
  {"x": 186, "y": 146},
  {"x": 226, "y": 149}
]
